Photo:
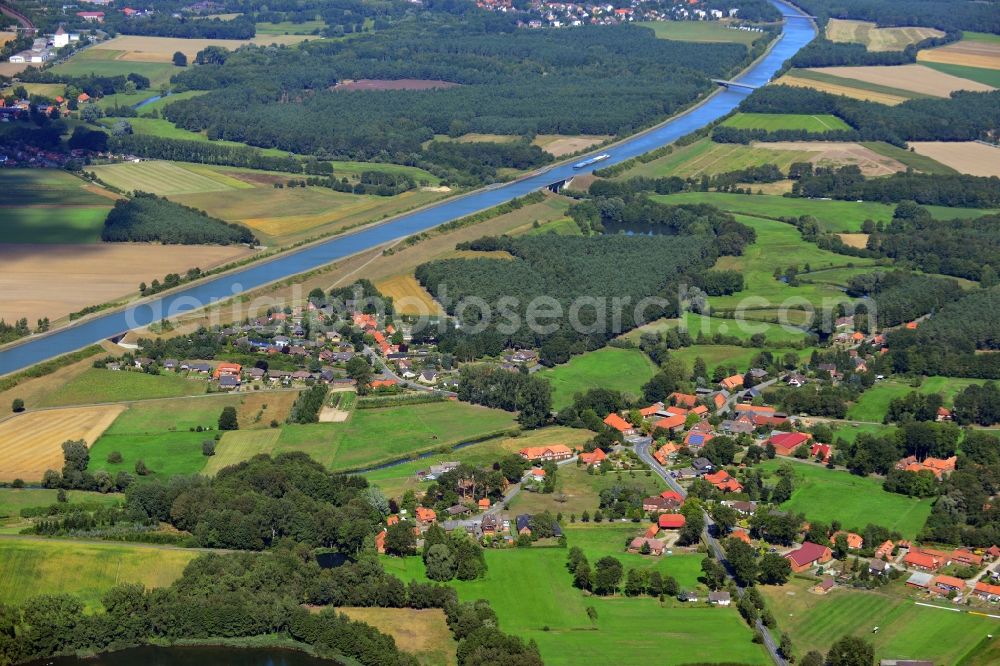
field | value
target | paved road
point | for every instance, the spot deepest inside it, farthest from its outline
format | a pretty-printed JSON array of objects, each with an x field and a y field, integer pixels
[
  {"x": 644, "y": 454},
  {"x": 379, "y": 362}
]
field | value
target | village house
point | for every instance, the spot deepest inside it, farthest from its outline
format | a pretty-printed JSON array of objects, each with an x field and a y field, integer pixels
[
  {"x": 594, "y": 458},
  {"x": 657, "y": 504},
  {"x": 945, "y": 585},
  {"x": 824, "y": 586},
  {"x": 671, "y": 521},
  {"x": 719, "y": 598},
  {"x": 879, "y": 567},
  {"x": 785, "y": 443},
  {"x": 425, "y": 515},
  {"x": 884, "y": 551},
  {"x": 618, "y": 423},
  {"x": 546, "y": 453},
  {"x": 656, "y": 546},
  {"x": 724, "y": 482},
  {"x": 702, "y": 465},
  {"x": 854, "y": 541},
  {"x": 672, "y": 423},
  {"x": 732, "y": 383},
  {"x": 918, "y": 559},
  {"x": 939, "y": 466},
  {"x": 987, "y": 592},
  {"x": 807, "y": 555}
]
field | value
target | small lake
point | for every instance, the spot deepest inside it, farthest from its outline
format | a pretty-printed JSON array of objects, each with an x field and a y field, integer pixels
[{"x": 193, "y": 656}]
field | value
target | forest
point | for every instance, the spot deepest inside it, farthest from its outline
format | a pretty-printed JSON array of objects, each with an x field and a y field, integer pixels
[
  {"x": 978, "y": 404},
  {"x": 200, "y": 152},
  {"x": 165, "y": 25},
  {"x": 948, "y": 15},
  {"x": 148, "y": 218},
  {"x": 900, "y": 296},
  {"x": 241, "y": 595},
  {"x": 591, "y": 80},
  {"x": 821, "y": 52},
  {"x": 963, "y": 513},
  {"x": 965, "y": 116},
  {"x": 512, "y": 391},
  {"x": 848, "y": 183}
]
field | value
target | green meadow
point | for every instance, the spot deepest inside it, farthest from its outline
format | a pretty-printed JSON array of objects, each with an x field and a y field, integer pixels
[
  {"x": 729, "y": 355},
  {"x": 99, "y": 385},
  {"x": 623, "y": 370},
  {"x": 701, "y": 325},
  {"x": 828, "y": 495},
  {"x": 49, "y": 206},
  {"x": 12, "y": 500},
  {"x": 906, "y": 631},
  {"x": 874, "y": 403},
  {"x": 786, "y": 121},
  {"x": 701, "y": 31},
  {"x": 530, "y": 590},
  {"x": 990, "y": 77}
]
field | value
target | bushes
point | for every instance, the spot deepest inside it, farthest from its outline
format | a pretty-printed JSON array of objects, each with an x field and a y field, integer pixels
[{"x": 146, "y": 218}]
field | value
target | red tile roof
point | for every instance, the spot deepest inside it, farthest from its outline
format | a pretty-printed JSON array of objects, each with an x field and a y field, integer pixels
[
  {"x": 808, "y": 553},
  {"x": 671, "y": 422},
  {"x": 786, "y": 443},
  {"x": 618, "y": 423},
  {"x": 683, "y": 399},
  {"x": 596, "y": 456},
  {"x": 671, "y": 521}
]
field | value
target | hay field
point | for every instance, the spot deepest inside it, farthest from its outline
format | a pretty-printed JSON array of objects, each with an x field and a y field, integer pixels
[
  {"x": 971, "y": 157},
  {"x": 855, "y": 240},
  {"x": 163, "y": 178},
  {"x": 967, "y": 52},
  {"x": 239, "y": 445},
  {"x": 136, "y": 48},
  {"x": 701, "y": 31},
  {"x": 559, "y": 145},
  {"x": 409, "y": 298},
  {"x": 6, "y": 37},
  {"x": 11, "y": 69},
  {"x": 31, "y": 442},
  {"x": 796, "y": 78},
  {"x": 839, "y": 154},
  {"x": 55, "y": 280},
  {"x": 915, "y": 78},
  {"x": 423, "y": 633},
  {"x": 707, "y": 157},
  {"x": 877, "y": 39},
  {"x": 50, "y": 206}
]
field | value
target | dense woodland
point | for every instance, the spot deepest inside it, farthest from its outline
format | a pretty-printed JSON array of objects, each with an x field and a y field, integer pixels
[
  {"x": 512, "y": 391},
  {"x": 898, "y": 297},
  {"x": 965, "y": 116},
  {"x": 511, "y": 82},
  {"x": 147, "y": 218},
  {"x": 848, "y": 183},
  {"x": 942, "y": 14},
  {"x": 821, "y": 52}
]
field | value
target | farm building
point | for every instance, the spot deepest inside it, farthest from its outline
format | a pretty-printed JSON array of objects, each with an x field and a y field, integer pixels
[
  {"x": 546, "y": 453},
  {"x": 808, "y": 555},
  {"x": 785, "y": 443}
]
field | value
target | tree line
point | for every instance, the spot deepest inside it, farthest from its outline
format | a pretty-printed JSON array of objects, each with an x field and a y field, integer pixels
[
  {"x": 849, "y": 184},
  {"x": 147, "y": 217},
  {"x": 201, "y": 152},
  {"x": 821, "y": 52},
  {"x": 901, "y": 296},
  {"x": 947, "y": 16}
]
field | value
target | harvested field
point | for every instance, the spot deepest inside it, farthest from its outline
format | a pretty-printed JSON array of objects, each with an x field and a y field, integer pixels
[
  {"x": 6, "y": 37},
  {"x": 137, "y": 48},
  {"x": 915, "y": 78},
  {"x": 333, "y": 415},
  {"x": 970, "y": 53},
  {"x": 409, "y": 297},
  {"x": 257, "y": 410},
  {"x": 393, "y": 84},
  {"x": 794, "y": 78},
  {"x": 877, "y": 39},
  {"x": 31, "y": 443},
  {"x": 423, "y": 633},
  {"x": 239, "y": 445},
  {"x": 36, "y": 279},
  {"x": 163, "y": 178},
  {"x": 971, "y": 157},
  {"x": 12, "y": 69},
  {"x": 855, "y": 240},
  {"x": 839, "y": 154},
  {"x": 558, "y": 145}
]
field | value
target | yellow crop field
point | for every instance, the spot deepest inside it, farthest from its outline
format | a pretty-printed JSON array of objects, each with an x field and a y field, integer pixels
[
  {"x": 409, "y": 297},
  {"x": 967, "y": 53},
  {"x": 239, "y": 445},
  {"x": 836, "y": 89},
  {"x": 31, "y": 443},
  {"x": 971, "y": 157},
  {"x": 161, "y": 49},
  {"x": 914, "y": 78},
  {"x": 163, "y": 178},
  {"x": 423, "y": 633},
  {"x": 877, "y": 39}
]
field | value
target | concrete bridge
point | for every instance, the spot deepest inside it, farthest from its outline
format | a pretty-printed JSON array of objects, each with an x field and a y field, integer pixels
[{"x": 734, "y": 84}]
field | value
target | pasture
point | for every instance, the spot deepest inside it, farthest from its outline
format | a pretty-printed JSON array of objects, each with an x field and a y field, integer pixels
[
  {"x": 544, "y": 607},
  {"x": 239, "y": 445},
  {"x": 12, "y": 500},
  {"x": 989, "y": 77},
  {"x": 34, "y": 566},
  {"x": 728, "y": 356},
  {"x": 397, "y": 479},
  {"x": 624, "y": 370},
  {"x": 290, "y": 27},
  {"x": 165, "y": 454},
  {"x": 698, "y": 325},
  {"x": 971, "y": 157},
  {"x": 875, "y": 38},
  {"x": 31, "y": 442},
  {"x": 874, "y": 403},
  {"x": 914, "y": 78},
  {"x": 577, "y": 491},
  {"x": 57, "y": 279},
  {"x": 163, "y": 178},
  {"x": 112, "y": 62},
  {"x": 906, "y": 631},
  {"x": 827, "y": 495},
  {"x": 701, "y": 31},
  {"x": 51, "y": 206},
  {"x": 97, "y": 385},
  {"x": 705, "y": 157},
  {"x": 840, "y": 153},
  {"x": 786, "y": 121},
  {"x": 423, "y": 633},
  {"x": 598, "y": 540}
]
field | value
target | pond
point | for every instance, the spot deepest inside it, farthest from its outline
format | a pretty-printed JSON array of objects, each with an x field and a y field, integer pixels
[{"x": 192, "y": 656}]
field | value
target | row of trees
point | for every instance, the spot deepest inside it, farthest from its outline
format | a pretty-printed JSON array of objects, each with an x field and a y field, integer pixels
[{"x": 308, "y": 405}]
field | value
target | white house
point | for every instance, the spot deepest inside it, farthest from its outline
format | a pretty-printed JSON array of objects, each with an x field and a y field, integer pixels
[{"x": 60, "y": 39}]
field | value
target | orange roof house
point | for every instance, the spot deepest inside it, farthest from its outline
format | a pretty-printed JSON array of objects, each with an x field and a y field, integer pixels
[
  {"x": 382, "y": 383},
  {"x": 987, "y": 591},
  {"x": 392, "y": 520},
  {"x": 719, "y": 401},
  {"x": 594, "y": 457},
  {"x": 884, "y": 551},
  {"x": 618, "y": 423},
  {"x": 946, "y": 584},
  {"x": 854, "y": 541},
  {"x": 543, "y": 453},
  {"x": 967, "y": 557},
  {"x": 741, "y": 534},
  {"x": 732, "y": 382},
  {"x": 671, "y": 422},
  {"x": 83, "y": 97},
  {"x": 807, "y": 555},
  {"x": 646, "y": 412},
  {"x": 821, "y": 451},
  {"x": 683, "y": 400},
  {"x": 484, "y": 503},
  {"x": 939, "y": 466},
  {"x": 230, "y": 369},
  {"x": 756, "y": 409},
  {"x": 921, "y": 560},
  {"x": 724, "y": 482},
  {"x": 672, "y": 494},
  {"x": 911, "y": 325},
  {"x": 700, "y": 410},
  {"x": 671, "y": 521},
  {"x": 380, "y": 542},
  {"x": 651, "y": 531},
  {"x": 665, "y": 451},
  {"x": 426, "y": 515}
]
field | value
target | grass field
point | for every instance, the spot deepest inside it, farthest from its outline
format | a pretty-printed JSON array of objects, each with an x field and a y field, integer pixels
[
  {"x": 707, "y": 157},
  {"x": 423, "y": 633},
  {"x": 35, "y": 566},
  {"x": 239, "y": 445},
  {"x": 834, "y": 216},
  {"x": 906, "y": 631},
  {"x": 696, "y": 325},
  {"x": 828, "y": 495},
  {"x": 700, "y": 31},
  {"x": 162, "y": 178},
  {"x": 563, "y": 227},
  {"x": 874, "y": 403},
  {"x": 989, "y": 77},
  {"x": 623, "y": 370},
  {"x": 50, "y": 206},
  {"x": 106, "y": 62},
  {"x": 849, "y": 433},
  {"x": 174, "y": 415},
  {"x": 165, "y": 454},
  {"x": 874, "y": 38},
  {"x": 31, "y": 443},
  {"x": 728, "y": 355},
  {"x": 601, "y": 539},
  {"x": 395, "y": 480},
  {"x": 98, "y": 385},
  {"x": 12, "y": 500},
  {"x": 530, "y": 590},
  {"x": 290, "y": 28},
  {"x": 786, "y": 121},
  {"x": 577, "y": 491}
]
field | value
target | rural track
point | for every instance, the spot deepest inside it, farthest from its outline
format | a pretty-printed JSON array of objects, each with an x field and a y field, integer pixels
[
  {"x": 142, "y": 400},
  {"x": 642, "y": 450}
]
